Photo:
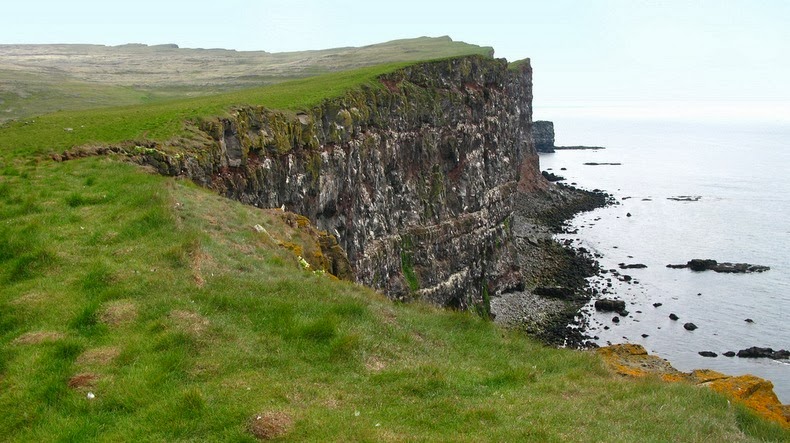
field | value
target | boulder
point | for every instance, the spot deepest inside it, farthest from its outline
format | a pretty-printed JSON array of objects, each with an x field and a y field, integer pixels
[
  {"x": 689, "y": 326},
  {"x": 757, "y": 352},
  {"x": 609, "y": 305},
  {"x": 707, "y": 354}
]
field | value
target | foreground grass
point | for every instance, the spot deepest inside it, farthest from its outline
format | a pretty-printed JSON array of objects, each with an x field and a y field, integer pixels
[{"x": 160, "y": 300}]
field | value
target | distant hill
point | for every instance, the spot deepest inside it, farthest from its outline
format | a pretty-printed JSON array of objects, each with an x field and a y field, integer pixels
[{"x": 37, "y": 79}]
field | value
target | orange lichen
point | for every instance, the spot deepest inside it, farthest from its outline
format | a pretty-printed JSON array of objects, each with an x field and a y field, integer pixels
[{"x": 756, "y": 393}]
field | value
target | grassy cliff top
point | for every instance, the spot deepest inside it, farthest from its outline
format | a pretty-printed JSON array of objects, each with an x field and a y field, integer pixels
[
  {"x": 38, "y": 79},
  {"x": 165, "y": 119}
]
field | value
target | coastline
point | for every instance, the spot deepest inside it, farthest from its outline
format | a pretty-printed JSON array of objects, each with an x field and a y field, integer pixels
[{"x": 555, "y": 273}]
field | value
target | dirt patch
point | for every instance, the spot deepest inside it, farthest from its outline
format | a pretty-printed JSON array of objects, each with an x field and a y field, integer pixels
[
  {"x": 119, "y": 312},
  {"x": 31, "y": 298},
  {"x": 198, "y": 259},
  {"x": 98, "y": 356},
  {"x": 375, "y": 364},
  {"x": 190, "y": 322},
  {"x": 270, "y": 425},
  {"x": 34, "y": 338},
  {"x": 83, "y": 380}
]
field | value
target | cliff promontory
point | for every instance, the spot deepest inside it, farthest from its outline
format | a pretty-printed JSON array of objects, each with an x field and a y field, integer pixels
[{"x": 415, "y": 176}]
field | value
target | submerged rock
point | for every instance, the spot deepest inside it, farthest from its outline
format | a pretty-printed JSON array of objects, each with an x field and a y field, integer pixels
[
  {"x": 757, "y": 352},
  {"x": 707, "y": 264}
]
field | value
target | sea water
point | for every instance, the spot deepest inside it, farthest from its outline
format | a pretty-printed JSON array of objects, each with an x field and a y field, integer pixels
[{"x": 739, "y": 176}]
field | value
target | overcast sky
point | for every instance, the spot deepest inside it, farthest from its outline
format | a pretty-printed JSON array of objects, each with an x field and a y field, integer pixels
[{"x": 638, "y": 57}]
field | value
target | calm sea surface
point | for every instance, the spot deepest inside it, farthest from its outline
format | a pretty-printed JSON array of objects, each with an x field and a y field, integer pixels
[{"x": 741, "y": 175}]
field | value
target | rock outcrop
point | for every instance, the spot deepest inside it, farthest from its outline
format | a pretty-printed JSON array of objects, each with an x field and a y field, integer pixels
[
  {"x": 414, "y": 176},
  {"x": 753, "y": 392},
  {"x": 543, "y": 132}
]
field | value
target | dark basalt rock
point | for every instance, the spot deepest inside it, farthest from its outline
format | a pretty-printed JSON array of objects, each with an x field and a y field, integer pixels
[
  {"x": 708, "y": 354},
  {"x": 685, "y": 198},
  {"x": 757, "y": 352},
  {"x": 615, "y": 319},
  {"x": 560, "y": 292},
  {"x": 602, "y": 164},
  {"x": 749, "y": 320},
  {"x": 552, "y": 177},
  {"x": 729, "y": 354},
  {"x": 632, "y": 266},
  {"x": 655, "y": 305},
  {"x": 689, "y": 326},
  {"x": 673, "y": 317},
  {"x": 700, "y": 265},
  {"x": 543, "y": 134},
  {"x": 609, "y": 305}
]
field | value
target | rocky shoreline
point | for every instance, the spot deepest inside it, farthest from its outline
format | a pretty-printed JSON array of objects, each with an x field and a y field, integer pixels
[{"x": 555, "y": 274}]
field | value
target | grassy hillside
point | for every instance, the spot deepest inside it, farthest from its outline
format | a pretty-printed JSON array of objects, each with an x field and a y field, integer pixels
[
  {"x": 38, "y": 79},
  {"x": 135, "y": 307},
  {"x": 184, "y": 323}
]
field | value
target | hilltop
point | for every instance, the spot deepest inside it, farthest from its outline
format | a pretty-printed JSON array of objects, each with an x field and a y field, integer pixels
[{"x": 37, "y": 79}]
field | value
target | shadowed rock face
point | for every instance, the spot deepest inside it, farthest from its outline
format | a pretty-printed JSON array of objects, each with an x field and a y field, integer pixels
[
  {"x": 416, "y": 178},
  {"x": 543, "y": 131}
]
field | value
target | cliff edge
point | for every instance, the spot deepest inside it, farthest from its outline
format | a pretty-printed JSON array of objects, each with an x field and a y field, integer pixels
[{"x": 414, "y": 176}]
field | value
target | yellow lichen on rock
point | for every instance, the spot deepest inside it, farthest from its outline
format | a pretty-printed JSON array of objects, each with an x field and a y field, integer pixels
[{"x": 754, "y": 392}]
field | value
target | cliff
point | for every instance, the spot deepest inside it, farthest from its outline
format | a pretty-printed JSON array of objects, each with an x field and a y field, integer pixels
[
  {"x": 415, "y": 176},
  {"x": 543, "y": 132}
]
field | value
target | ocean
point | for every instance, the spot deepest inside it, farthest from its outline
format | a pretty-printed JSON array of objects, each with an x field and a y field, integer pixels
[{"x": 739, "y": 175}]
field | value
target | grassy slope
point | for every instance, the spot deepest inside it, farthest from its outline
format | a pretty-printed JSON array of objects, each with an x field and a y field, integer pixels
[{"x": 185, "y": 323}]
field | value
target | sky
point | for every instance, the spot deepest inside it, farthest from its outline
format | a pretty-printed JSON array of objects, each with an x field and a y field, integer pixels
[{"x": 723, "y": 59}]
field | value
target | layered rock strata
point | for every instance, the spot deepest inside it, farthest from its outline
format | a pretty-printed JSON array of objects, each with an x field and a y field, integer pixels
[{"x": 415, "y": 176}]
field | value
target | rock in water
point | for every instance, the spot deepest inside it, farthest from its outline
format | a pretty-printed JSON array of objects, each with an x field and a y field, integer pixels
[
  {"x": 673, "y": 317},
  {"x": 689, "y": 326},
  {"x": 699, "y": 265},
  {"x": 609, "y": 305},
  {"x": 729, "y": 354},
  {"x": 757, "y": 352},
  {"x": 707, "y": 354}
]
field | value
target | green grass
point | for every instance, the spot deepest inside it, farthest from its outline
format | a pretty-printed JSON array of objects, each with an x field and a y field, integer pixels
[
  {"x": 163, "y": 120},
  {"x": 187, "y": 324}
]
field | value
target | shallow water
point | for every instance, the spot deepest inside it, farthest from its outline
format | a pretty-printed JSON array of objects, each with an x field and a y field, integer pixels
[{"x": 741, "y": 175}]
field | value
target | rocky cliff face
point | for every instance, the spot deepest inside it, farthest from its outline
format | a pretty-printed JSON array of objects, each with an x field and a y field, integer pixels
[
  {"x": 543, "y": 132},
  {"x": 415, "y": 177}
]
